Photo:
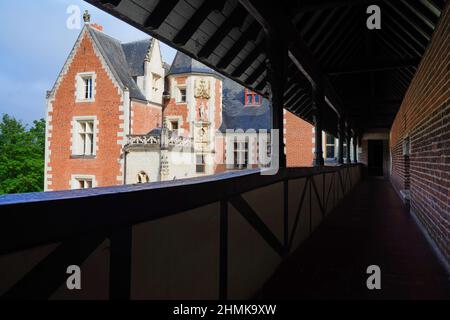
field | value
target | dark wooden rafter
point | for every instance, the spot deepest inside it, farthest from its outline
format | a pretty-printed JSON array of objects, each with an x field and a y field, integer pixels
[
  {"x": 348, "y": 45},
  {"x": 249, "y": 35},
  {"x": 261, "y": 85},
  {"x": 314, "y": 5},
  {"x": 332, "y": 54},
  {"x": 328, "y": 31},
  {"x": 412, "y": 34},
  {"x": 328, "y": 22},
  {"x": 235, "y": 20},
  {"x": 329, "y": 36},
  {"x": 374, "y": 66},
  {"x": 425, "y": 16},
  {"x": 325, "y": 38},
  {"x": 247, "y": 62},
  {"x": 199, "y": 16},
  {"x": 110, "y": 3},
  {"x": 418, "y": 25},
  {"x": 340, "y": 33},
  {"x": 312, "y": 27},
  {"x": 256, "y": 73},
  {"x": 160, "y": 13}
]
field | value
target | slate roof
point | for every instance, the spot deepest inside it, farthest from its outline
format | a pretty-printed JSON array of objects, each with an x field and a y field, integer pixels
[
  {"x": 185, "y": 64},
  {"x": 127, "y": 61},
  {"x": 114, "y": 53},
  {"x": 237, "y": 116},
  {"x": 135, "y": 53}
]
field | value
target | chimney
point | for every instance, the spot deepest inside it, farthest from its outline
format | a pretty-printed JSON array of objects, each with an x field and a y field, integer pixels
[{"x": 97, "y": 26}]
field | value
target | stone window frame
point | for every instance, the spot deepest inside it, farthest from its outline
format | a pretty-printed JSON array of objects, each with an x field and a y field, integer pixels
[
  {"x": 80, "y": 86},
  {"x": 76, "y": 178},
  {"x": 75, "y": 143}
]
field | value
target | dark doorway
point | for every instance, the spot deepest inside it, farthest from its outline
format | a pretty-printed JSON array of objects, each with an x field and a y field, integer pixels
[{"x": 375, "y": 158}]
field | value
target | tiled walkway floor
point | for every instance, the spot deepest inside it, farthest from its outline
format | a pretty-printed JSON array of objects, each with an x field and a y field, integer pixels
[{"x": 370, "y": 227}]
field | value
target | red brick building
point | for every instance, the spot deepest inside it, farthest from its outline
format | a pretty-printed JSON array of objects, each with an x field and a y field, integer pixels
[{"x": 113, "y": 103}]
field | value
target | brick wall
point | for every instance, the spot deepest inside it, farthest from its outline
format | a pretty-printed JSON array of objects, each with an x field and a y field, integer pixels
[
  {"x": 172, "y": 108},
  {"x": 145, "y": 117},
  {"x": 424, "y": 116},
  {"x": 298, "y": 141},
  {"x": 108, "y": 110}
]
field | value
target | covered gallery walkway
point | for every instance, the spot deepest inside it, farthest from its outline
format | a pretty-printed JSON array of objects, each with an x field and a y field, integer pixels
[
  {"x": 381, "y": 89},
  {"x": 370, "y": 226}
]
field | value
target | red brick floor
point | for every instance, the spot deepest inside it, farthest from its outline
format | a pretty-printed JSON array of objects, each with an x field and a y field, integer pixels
[{"x": 371, "y": 226}]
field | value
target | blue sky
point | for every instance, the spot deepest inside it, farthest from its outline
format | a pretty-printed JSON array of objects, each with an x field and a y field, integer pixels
[{"x": 34, "y": 44}]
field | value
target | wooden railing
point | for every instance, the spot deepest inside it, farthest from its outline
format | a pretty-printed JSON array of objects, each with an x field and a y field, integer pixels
[{"x": 212, "y": 237}]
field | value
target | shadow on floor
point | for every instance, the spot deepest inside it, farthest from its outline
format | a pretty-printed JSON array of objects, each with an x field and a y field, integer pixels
[{"x": 370, "y": 227}]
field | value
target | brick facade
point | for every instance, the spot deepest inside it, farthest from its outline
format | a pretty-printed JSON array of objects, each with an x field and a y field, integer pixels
[
  {"x": 172, "y": 108},
  {"x": 107, "y": 108},
  {"x": 424, "y": 117},
  {"x": 298, "y": 135},
  {"x": 116, "y": 116},
  {"x": 145, "y": 117}
]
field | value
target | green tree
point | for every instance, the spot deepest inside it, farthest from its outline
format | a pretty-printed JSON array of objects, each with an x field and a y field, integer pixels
[{"x": 21, "y": 156}]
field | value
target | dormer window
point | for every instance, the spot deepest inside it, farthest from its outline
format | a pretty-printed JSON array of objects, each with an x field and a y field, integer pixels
[{"x": 252, "y": 99}]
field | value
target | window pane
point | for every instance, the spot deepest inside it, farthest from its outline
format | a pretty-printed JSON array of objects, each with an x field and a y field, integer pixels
[
  {"x": 82, "y": 144},
  {"x": 330, "y": 139},
  {"x": 330, "y": 152},
  {"x": 182, "y": 95}
]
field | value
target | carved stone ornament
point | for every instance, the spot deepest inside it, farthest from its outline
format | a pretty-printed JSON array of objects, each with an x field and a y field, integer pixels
[
  {"x": 202, "y": 89},
  {"x": 86, "y": 17}
]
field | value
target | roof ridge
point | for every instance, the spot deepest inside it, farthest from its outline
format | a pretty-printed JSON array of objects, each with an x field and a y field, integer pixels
[
  {"x": 135, "y": 41},
  {"x": 103, "y": 33}
]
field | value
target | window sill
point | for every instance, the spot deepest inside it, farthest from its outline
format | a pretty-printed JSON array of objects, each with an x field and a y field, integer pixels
[
  {"x": 85, "y": 101},
  {"x": 75, "y": 156}
]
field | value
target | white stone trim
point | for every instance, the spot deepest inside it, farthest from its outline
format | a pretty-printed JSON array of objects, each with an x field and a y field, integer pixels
[
  {"x": 79, "y": 86},
  {"x": 48, "y": 135},
  {"x": 75, "y": 177},
  {"x": 73, "y": 132}
]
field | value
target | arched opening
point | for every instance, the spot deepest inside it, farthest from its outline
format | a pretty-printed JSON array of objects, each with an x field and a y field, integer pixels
[{"x": 142, "y": 177}]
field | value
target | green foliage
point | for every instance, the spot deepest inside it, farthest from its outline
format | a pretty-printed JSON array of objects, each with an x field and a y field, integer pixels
[{"x": 21, "y": 156}]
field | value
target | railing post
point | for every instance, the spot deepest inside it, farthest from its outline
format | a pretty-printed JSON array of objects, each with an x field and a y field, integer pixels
[
  {"x": 317, "y": 103},
  {"x": 349, "y": 136},
  {"x": 223, "y": 254},
  {"x": 341, "y": 136},
  {"x": 355, "y": 148}
]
